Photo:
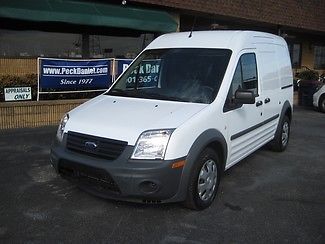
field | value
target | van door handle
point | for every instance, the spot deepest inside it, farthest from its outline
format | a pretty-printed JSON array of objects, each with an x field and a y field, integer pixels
[
  {"x": 267, "y": 100},
  {"x": 259, "y": 103}
]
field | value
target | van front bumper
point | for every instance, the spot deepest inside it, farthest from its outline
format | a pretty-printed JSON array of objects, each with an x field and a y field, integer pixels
[{"x": 149, "y": 181}]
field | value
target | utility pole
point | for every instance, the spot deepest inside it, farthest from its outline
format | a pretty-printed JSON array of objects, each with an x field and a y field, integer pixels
[{"x": 85, "y": 46}]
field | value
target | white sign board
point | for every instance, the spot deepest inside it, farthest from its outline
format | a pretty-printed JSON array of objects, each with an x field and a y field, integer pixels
[{"x": 18, "y": 93}]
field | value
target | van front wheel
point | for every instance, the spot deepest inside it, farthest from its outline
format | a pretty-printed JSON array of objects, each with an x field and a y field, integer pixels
[{"x": 204, "y": 181}]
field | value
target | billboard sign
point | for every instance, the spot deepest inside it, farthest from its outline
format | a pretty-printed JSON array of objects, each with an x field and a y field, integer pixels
[
  {"x": 122, "y": 64},
  {"x": 74, "y": 75}
]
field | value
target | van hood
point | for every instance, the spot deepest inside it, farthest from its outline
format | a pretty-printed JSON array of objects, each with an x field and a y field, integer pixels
[{"x": 123, "y": 118}]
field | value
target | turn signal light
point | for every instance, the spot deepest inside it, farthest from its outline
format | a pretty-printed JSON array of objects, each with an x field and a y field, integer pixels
[{"x": 178, "y": 164}]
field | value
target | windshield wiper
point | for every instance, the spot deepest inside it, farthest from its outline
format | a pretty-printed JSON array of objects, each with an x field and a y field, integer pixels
[
  {"x": 161, "y": 97},
  {"x": 140, "y": 94},
  {"x": 118, "y": 91}
]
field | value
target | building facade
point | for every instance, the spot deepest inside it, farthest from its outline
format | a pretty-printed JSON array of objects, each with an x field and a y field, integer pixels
[
  {"x": 301, "y": 23},
  {"x": 96, "y": 29}
]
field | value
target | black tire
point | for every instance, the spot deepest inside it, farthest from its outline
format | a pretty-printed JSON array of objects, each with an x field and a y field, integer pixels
[
  {"x": 207, "y": 160},
  {"x": 321, "y": 104},
  {"x": 282, "y": 135}
]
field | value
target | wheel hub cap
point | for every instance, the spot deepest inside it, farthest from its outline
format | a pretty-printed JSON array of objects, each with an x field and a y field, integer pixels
[
  {"x": 207, "y": 180},
  {"x": 285, "y": 133}
]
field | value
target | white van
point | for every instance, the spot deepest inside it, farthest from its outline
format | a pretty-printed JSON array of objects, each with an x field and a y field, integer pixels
[{"x": 189, "y": 107}]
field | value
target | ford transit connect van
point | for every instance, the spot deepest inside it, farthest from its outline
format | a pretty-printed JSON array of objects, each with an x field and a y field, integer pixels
[{"x": 187, "y": 108}]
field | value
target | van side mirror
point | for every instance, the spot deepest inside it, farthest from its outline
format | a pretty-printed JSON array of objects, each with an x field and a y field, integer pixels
[{"x": 244, "y": 97}]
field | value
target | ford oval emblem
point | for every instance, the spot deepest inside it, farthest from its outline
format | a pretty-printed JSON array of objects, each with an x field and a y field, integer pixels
[{"x": 90, "y": 145}]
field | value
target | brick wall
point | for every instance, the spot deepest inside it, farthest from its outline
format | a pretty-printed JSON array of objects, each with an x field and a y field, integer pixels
[{"x": 302, "y": 14}]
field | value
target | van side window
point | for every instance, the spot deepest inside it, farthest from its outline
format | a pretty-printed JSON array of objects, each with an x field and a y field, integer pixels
[
  {"x": 245, "y": 78},
  {"x": 249, "y": 72}
]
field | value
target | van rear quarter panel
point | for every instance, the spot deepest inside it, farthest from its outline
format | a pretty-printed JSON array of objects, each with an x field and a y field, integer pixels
[{"x": 285, "y": 73}]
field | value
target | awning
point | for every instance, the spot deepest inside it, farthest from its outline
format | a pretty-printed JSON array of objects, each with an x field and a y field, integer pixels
[{"x": 88, "y": 14}]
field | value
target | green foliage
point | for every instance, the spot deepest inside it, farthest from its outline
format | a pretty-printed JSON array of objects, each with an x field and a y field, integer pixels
[
  {"x": 15, "y": 80},
  {"x": 308, "y": 75}
]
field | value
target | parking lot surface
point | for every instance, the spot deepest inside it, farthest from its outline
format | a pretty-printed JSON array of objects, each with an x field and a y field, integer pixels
[{"x": 266, "y": 198}]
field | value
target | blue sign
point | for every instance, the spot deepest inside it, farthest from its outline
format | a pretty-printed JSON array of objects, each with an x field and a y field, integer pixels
[
  {"x": 122, "y": 64},
  {"x": 146, "y": 74},
  {"x": 67, "y": 75}
]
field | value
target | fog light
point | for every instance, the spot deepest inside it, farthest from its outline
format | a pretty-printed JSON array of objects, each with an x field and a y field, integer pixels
[{"x": 148, "y": 187}]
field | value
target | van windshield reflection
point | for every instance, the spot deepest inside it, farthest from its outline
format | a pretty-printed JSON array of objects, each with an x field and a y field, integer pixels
[{"x": 178, "y": 74}]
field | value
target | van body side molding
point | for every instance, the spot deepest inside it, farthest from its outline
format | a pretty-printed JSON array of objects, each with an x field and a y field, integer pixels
[
  {"x": 285, "y": 87},
  {"x": 239, "y": 134}
]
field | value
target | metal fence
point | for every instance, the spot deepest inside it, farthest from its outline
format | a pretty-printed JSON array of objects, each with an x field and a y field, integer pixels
[{"x": 18, "y": 66}]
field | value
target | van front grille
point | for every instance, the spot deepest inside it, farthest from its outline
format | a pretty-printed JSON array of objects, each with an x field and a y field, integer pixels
[
  {"x": 95, "y": 178},
  {"x": 95, "y": 146}
]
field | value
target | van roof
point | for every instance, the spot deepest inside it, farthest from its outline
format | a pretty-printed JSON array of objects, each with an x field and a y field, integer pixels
[{"x": 234, "y": 40}]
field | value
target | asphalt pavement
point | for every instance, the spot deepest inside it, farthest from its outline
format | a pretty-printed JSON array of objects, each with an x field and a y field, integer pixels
[{"x": 267, "y": 198}]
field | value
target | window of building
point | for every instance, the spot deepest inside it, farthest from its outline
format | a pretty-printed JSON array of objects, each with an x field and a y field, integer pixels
[
  {"x": 295, "y": 54},
  {"x": 245, "y": 78},
  {"x": 15, "y": 44},
  {"x": 319, "y": 59}
]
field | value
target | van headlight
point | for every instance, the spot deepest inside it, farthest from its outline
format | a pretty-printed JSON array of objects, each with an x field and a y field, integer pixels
[
  {"x": 63, "y": 122},
  {"x": 152, "y": 144}
]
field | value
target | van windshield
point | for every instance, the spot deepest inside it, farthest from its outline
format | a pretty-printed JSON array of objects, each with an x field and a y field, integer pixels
[{"x": 177, "y": 74}]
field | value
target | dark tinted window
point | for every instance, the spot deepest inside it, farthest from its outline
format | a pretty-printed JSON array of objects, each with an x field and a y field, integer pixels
[
  {"x": 68, "y": 45},
  {"x": 295, "y": 54},
  {"x": 249, "y": 72},
  {"x": 319, "y": 57}
]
